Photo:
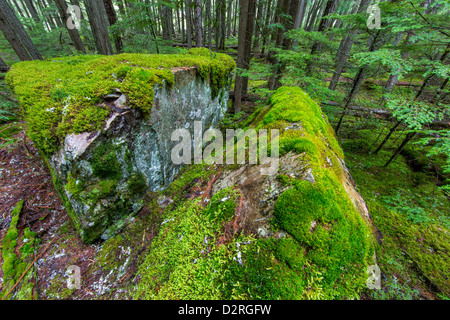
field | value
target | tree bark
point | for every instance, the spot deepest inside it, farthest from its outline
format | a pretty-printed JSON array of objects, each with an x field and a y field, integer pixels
[
  {"x": 16, "y": 35},
  {"x": 112, "y": 18},
  {"x": 359, "y": 79},
  {"x": 3, "y": 65},
  {"x": 344, "y": 50},
  {"x": 198, "y": 24},
  {"x": 242, "y": 37},
  {"x": 188, "y": 23},
  {"x": 323, "y": 26},
  {"x": 99, "y": 26},
  {"x": 32, "y": 10},
  {"x": 73, "y": 33}
]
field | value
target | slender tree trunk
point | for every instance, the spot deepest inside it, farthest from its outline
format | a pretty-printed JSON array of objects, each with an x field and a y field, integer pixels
[
  {"x": 112, "y": 18},
  {"x": 99, "y": 26},
  {"x": 299, "y": 17},
  {"x": 32, "y": 10},
  {"x": 323, "y": 26},
  {"x": 393, "y": 78},
  {"x": 344, "y": 50},
  {"x": 73, "y": 33},
  {"x": 16, "y": 35},
  {"x": 265, "y": 31},
  {"x": 209, "y": 22},
  {"x": 250, "y": 26},
  {"x": 408, "y": 138},
  {"x": 242, "y": 40},
  {"x": 16, "y": 5},
  {"x": 359, "y": 79},
  {"x": 198, "y": 23},
  {"x": 287, "y": 10},
  {"x": 3, "y": 65},
  {"x": 258, "y": 25},
  {"x": 183, "y": 30},
  {"x": 188, "y": 23}
]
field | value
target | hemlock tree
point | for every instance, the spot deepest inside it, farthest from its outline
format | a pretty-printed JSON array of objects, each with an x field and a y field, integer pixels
[
  {"x": 246, "y": 20},
  {"x": 73, "y": 32},
  {"x": 99, "y": 26},
  {"x": 112, "y": 18},
  {"x": 16, "y": 35}
]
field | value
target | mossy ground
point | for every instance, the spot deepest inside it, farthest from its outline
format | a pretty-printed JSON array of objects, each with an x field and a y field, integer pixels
[
  {"x": 411, "y": 212},
  {"x": 16, "y": 260}
]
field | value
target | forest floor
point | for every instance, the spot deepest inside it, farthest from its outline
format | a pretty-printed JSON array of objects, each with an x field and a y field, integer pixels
[{"x": 108, "y": 269}]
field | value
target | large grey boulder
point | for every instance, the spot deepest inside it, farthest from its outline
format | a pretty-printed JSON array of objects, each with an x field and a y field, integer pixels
[{"x": 106, "y": 173}]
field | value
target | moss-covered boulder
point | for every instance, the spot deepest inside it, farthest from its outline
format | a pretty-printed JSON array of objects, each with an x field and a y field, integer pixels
[
  {"x": 103, "y": 124},
  {"x": 304, "y": 233}
]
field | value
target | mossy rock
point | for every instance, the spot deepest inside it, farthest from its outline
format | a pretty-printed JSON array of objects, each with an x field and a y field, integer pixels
[{"x": 317, "y": 244}]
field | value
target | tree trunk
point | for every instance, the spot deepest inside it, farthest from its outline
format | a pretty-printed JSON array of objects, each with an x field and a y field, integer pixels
[
  {"x": 344, "y": 50},
  {"x": 299, "y": 18},
  {"x": 323, "y": 26},
  {"x": 112, "y": 19},
  {"x": 250, "y": 26},
  {"x": 32, "y": 10},
  {"x": 286, "y": 9},
  {"x": 408, "y": 138},
  {"x": 77, "y": 3},
  {"x": 99, "y": 26},
  {"x": 73, "y": 33},
  {"x": 209, "y": 22},
  {"x": 265, "y": 32},
  {"x": 198, "y": 24},
  {"x": 242, "y": 37},
  {"x": 16, "y": 5},
  {"x": 258, "y": 25},
  {"x": 188, "y": 23},
  {"x": 359, "y": 79},
  {"x": 16, "y": 35},
  {"x": 3, "y": 65}
]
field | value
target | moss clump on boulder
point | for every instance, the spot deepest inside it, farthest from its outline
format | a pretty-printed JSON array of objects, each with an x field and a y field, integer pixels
[{"x": 65, "y": 95}]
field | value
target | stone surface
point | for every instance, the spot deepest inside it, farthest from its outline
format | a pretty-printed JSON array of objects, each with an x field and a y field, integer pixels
[{"x": 136, "y": 148}]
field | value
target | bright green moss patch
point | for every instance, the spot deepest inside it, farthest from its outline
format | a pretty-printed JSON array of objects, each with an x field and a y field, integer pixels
[
  {"x": 104, "y": 160},
  {"x": 413, "y": 216},
  {"x": 15, "y": 263},
  {"x": 64, "y": 95}
]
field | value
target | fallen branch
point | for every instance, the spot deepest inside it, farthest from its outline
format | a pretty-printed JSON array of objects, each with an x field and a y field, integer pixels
[{"x": 28, "y": 268}]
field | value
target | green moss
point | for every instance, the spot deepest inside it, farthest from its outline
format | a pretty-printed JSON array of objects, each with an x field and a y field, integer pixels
[
  {"x": 14, "y": 265},
  {"x": 64, "y": 95},
  {"x": 411, "y": 213},
  {"x": 136, "y": 183},
  {"x": 222, "y": 205},
  {"x": 74, "y": 186},
  {"x": 324, "y": 255},
  {"x": 104, "y": 160}
]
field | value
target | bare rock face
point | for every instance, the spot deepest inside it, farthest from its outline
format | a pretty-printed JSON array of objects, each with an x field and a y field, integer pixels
[{"x": 106, "y": 173}]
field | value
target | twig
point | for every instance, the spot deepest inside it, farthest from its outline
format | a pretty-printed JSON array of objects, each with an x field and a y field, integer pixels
[{"x": 31, "y": 264}]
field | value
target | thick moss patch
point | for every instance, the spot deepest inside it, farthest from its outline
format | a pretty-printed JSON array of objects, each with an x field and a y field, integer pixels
[
  {"x": 323, "y": 256},
  {"x": 15, "y": 262},
  {"x": 65, "y": 95}
]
